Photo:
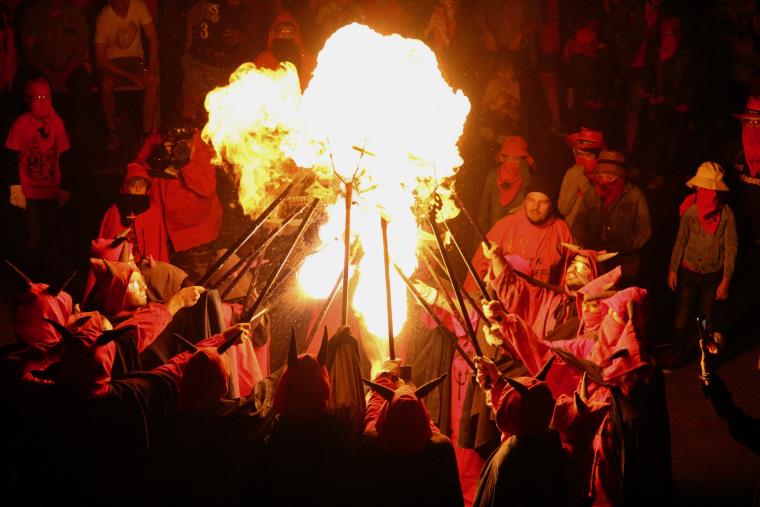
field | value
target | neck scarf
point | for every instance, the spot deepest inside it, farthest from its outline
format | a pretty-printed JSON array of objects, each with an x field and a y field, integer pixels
[
  {"x": 609, "y": 192},
  {"x": 708, "y": 208},
  {"x": 509, "y": 180}
]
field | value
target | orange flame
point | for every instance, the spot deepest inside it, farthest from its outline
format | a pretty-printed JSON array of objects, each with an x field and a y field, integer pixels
[{"x": 380, "y": 95}]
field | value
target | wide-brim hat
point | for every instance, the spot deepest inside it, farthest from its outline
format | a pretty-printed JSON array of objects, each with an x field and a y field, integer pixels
[
  {"x": 586, "y": 139},
  {"x": 611, "y": 162},
  {"x": 709, "y": 176},
  {"x": 751, "y": 110}
]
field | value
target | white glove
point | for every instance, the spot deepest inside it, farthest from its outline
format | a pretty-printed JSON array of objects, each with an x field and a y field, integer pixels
[
  {"x": 18, "y": 198},
  {"x": 428, "y": 293}
]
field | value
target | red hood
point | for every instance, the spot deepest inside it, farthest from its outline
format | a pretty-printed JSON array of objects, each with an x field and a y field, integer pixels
[
  {"x": 577, "y": 421},
  {"x": 284, "y": 17},
  {"x": 403, "y": 424},
  {"x": 595, "y": 288},
  {"x": 204, "y": 382},
  {"x": 525, "y": 413},
  {"x": 617, "y": 333},
  {"x": 136, "y": 170},
  {"x": 111, "y": 284},
  {"x": 304, "y": 389},
  {"x": 35, "y": 305},
  {"x": 86, "y": 366}
]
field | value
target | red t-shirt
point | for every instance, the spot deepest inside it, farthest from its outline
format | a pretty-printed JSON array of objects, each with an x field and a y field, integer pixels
[{"x": 39, "y": 172}]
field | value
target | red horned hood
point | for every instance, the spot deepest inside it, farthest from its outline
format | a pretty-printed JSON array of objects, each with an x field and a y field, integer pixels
[
  {"x": 111, "y": 283},
  {"x": 204, "y": 382},
  {"x": 304, "y": 389},
  {"x": 35, "y": 305},
  {"x": 525, "y": 407}
]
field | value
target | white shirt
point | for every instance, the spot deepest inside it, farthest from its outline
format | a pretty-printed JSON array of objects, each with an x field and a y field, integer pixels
[{"x": 122, "y": 36}]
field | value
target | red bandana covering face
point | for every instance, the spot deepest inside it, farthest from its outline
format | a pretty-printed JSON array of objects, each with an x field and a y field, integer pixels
[
  {"x": 609, "y": 192},
  {"x": 751, "y": 142},
  {"x": 509, "y": 180},
  {"x": 588, "y": 164},
  {"x": 708, "y": 208}
]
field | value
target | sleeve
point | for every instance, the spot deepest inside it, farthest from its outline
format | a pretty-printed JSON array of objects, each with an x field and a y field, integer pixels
[
  {"x": 14, "y": 141},
  {"x": 101, "y": 28},
  {"x": 150, "y": 320},
  {"x": 199, "y": 175},
  {"x": 643, "y": 223},
  {"x": 730, "y": 244},
  {"x": 376, "y": 402},
  {"x": 745, "y": 429},
  {"x": 175, "y": 367},
  {"x": 521, "y": 341},
  {"x": 568, "y": 194},
  {"x": 683, "y": 235},
  {"x": 143, "y": 15}
]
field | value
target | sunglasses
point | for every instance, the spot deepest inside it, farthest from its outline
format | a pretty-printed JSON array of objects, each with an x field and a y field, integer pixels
[{"x": 39, "y": 97}]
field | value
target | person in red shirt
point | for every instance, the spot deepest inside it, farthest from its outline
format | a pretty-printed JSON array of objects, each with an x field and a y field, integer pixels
[
  {"x": 185, "y": 192},
  {"x": 38, "y": 145},
  {"x": 133, "y": 211}
]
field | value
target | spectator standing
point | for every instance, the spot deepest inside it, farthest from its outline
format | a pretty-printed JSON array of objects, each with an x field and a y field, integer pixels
[
  {"x": 615, "y": 216},
  {"x": 504, "y": 188},
  {"x": 586, "y": 146},
  {"x": 219, "y": 38},
  {"x": 36, "y": 157},
  {"x": 703, "y": 257},
  {"x": 675, "y": 82},
  {"x": 121, "y": 60},
  {"x": 54, "y": 36},
  {"x": 284, "y": 44},
  {"x": 7, "y": 54}
]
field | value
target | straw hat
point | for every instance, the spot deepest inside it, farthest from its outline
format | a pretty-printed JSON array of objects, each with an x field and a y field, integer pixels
[
  {"x": 709, "y": 176},
  {"x": 751, "y": 110},
  {"x": 611, "y": 162}
]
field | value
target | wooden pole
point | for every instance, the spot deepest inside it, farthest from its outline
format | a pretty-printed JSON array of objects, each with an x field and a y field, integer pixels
[{"x": 388, "y": 299}]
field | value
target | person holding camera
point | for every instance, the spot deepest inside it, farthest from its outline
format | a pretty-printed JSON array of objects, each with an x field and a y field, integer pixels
[
  {"x": 703, "y": 257},
  {"x": 184, "y": 189}
]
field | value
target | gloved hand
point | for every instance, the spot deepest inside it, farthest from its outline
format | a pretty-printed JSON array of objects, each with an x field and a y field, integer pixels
[
  {"x": 18, "y": 198},
  {"x": 488, "y": 372},
  {"x": 493, "y": 253},
  {"x": 263, "y": 396},
  {"x": 493, "y": 335},
  {"x": 428, "y": 293}
]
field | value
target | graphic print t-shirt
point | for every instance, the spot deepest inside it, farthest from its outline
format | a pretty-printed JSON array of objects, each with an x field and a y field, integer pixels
[
  {"x": 121, "y": 36},
  {"x": 38, "y": 153}
]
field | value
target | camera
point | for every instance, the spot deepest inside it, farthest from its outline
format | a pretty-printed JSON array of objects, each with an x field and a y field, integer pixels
[{"x": 174, "y": 150}]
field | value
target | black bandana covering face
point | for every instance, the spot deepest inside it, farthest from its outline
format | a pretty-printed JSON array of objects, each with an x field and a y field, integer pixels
[{"x": 131, "y": 205}]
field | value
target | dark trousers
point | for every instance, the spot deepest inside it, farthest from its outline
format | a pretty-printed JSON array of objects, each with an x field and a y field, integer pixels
[
  {"x": 695, "y": 289},
  {"x": 40, "y": 248}
]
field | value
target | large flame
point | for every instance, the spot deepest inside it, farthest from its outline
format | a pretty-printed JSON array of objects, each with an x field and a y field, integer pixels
[
  {"x": 385, "y": 96},
  {"x": 251, "y": 126},
  {"x": 377, "y": 108}
]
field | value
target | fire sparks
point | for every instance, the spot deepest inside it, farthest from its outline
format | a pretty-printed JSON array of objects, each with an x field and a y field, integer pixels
[{"x": 377, "y": 112}]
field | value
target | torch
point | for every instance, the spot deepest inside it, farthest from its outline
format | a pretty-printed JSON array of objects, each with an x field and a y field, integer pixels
[
  {"x": 216, "y": 266},
  {"x": 388, "y": 302},
  {"x": 276, "y": 272}
]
